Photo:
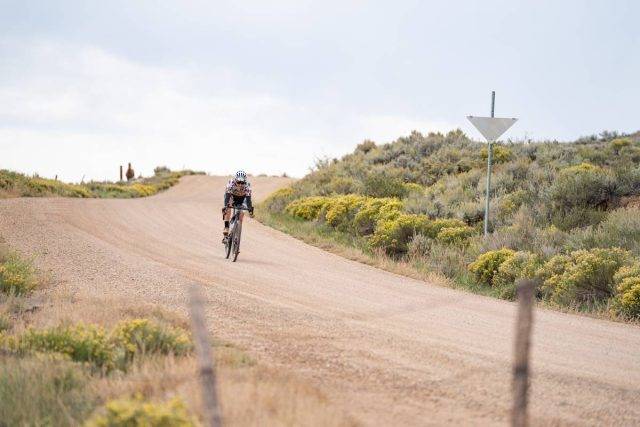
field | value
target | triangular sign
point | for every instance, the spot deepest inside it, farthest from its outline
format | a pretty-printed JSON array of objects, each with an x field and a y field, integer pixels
[{"x": 491, "y": 128}]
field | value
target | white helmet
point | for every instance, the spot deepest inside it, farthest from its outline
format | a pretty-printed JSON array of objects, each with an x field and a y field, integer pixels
[{"x": 241, "y": 176}]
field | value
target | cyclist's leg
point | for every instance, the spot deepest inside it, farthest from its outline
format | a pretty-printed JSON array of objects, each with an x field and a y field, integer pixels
[{"x": 227, "y": 213}]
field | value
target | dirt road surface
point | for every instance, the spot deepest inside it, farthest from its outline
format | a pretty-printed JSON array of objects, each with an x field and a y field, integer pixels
[{"x": 387, "y": 349}]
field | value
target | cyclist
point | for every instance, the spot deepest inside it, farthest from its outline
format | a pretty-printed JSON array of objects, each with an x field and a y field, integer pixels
[{"x": 238, "y": 193}]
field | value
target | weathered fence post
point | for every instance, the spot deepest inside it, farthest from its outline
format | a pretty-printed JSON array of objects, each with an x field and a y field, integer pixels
[
  {"x": 524, "y": 325},
  {"x": 206, "y": 370},
  {"x": 121, "y": 173}
]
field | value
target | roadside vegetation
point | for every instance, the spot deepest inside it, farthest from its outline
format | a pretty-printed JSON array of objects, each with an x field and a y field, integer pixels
[
  {"x": 564, "y": 214},
  {"x": 66, "y": 360},
  {"x": 13, "y": 184}
]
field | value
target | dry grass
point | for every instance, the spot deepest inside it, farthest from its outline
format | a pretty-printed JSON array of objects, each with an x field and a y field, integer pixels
[{"x": 250, "y": 393}]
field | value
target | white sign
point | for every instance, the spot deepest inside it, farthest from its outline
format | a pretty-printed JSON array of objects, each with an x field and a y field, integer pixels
[{"x": 491, "y": 128}]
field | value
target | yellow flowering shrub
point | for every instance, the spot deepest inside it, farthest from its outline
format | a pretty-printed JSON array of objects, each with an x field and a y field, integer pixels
[
  {"x": 627, "y": 300},
  {"x": 629, "y": 296},
  {"x": 375, "y": 209},
  {"x": 455, "y": 235},
  {"x": 279, "y": 199},
  {"x": 434, "y": 227},
  {"x": 339, "y": 211},
  {"x": 103, "y": 349},
  {"x": 307, "y": 208},
  {"x": 142, "y": 336},
  {"x": 393, "y": 235},
  {"x": 138, "y": 412},
  {"x": 17, "y": 276},
  {"x": 582, "y": 276},
  {"x": 522, "y": 265},
  {"x": 486, "y": 266},
  {"x": 81, "y": 343}
]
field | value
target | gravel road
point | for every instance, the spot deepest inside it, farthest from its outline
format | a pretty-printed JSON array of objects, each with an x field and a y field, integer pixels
[{"x": 387, "y": 349}]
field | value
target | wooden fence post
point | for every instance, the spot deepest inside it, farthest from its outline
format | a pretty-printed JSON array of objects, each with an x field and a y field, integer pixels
[
  {"x": 206, "y": 369},
  {"x": 524, "y": 325}
]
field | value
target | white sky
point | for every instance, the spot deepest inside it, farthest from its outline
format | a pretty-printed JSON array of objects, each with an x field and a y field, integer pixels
[{"x": 270, "y": 86}]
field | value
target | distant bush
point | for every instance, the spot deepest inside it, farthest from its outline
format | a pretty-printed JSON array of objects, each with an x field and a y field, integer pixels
[
  {"x": 15, "y": 184},
  {"x": 393, "y": 235},
  {"x": 486, "y": 266},
  {"x": 583, "y": 276},
  {"x": 138, "y": 412},
  {"x": 17, "y": 276}
]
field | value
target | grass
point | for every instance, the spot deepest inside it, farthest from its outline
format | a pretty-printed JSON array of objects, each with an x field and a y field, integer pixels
[
  {"x": 44, "y": 391},
  {"x": 13, "y": 184}
]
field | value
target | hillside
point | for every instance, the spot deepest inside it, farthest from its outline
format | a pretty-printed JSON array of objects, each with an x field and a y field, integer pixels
[{"x": 565, "y": 214}]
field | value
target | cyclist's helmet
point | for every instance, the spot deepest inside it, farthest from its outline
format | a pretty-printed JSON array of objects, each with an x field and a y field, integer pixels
[{"x": 241, "y": 176}]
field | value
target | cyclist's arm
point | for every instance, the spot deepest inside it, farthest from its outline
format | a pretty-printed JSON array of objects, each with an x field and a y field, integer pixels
[
  {"x": 247, "y": 200},
  {"x": 227, "y": 198}
]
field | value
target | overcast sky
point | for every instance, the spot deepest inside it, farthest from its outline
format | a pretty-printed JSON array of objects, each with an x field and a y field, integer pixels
[{"x": 267, "y": 86}]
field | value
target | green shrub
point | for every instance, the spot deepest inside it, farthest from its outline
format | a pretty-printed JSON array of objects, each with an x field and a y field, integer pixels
[
  {"x": 413, "y": 188},
  {"x": 583, "y": 276},
  {"x": 455, "y": 235},
  {"x": 17, "y": 276},
  {"x": 43, "y": 391},
  {"x": 138, "y": 412},
  {"x": 306, "y": 208},
  {"x": 142, "y": 336},
  {"x": 393, "y": 235},
  {"x": 580, "y": 194},
  {"x": 383, "y": 185},
  {"x": 620, "y": 228},
  {"x": 342, "y": 185},
  {"x": 486, "y": 266},
  {"x": 373, "y": 210}
]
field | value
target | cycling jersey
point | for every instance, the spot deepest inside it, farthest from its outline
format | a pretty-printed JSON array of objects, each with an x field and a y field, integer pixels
[
  {"x": 237, "y": 190},
  {"x": 238, "y": 194}
]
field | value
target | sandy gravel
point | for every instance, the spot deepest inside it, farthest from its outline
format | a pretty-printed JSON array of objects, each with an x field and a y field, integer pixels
[{"x": 388, "y": 349}]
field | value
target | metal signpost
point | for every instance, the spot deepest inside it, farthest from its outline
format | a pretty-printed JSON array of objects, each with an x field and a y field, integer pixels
[{"x": 491, "y": 128}]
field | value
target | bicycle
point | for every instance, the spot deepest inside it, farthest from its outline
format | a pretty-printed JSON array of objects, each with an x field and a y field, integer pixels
[{"x": 232, "y": 240}]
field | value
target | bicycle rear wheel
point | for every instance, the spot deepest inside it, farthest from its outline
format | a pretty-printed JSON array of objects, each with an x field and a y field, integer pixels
[{"x": 236, "y": 240}]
